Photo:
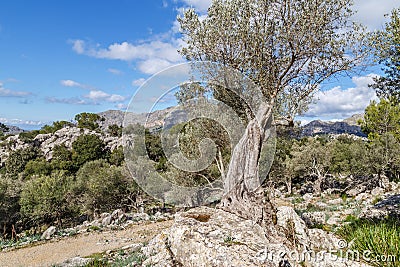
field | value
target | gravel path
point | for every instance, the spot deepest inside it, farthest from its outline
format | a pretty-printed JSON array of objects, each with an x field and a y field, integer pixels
[{"x": 58, "y": 251}]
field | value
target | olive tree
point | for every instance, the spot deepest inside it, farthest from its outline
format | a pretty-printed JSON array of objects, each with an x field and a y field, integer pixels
[{"x": 285, "y": 47}]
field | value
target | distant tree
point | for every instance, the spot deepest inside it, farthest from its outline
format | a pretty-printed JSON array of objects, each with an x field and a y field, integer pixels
[
  {"x": 115, "y": 130},
  {"x": 87, "y": 148},
  {"x": 46, "y": 198},
  {"x": 62, "y": 159},
  {"x": 57, "y": 125},
  {"x": 88, "y": 120},
  {"x": 117, "y": 156},
  {"x": 3, "y": 128},
  {"x": 101, "y": 187},
  {"x": 310, "y": 159},
  {"x": 387, "y": 51},
  {"x": 17, "y": 160},
  {"x": 383, "y": 157},
  {"x": 381, "y": 118},
  {"x": 348, "y": 157},
  {"x": 37, "y": 166},
  {"x": 9, "y": 204}
]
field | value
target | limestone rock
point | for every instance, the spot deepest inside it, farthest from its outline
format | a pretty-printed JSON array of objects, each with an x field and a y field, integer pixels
[
  {"x": 314, "y": 218},
  {"x": 212, "y": 237},
  {"x": 49, "y": 232}
]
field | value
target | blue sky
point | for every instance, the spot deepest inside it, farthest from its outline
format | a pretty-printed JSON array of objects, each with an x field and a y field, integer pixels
[{"x": 60, "y": 58}]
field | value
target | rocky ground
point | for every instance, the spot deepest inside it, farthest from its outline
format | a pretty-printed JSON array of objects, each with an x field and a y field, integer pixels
[{"x": 303, "y": 235}]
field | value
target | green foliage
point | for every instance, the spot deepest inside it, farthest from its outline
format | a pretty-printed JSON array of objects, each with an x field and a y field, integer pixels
[
  {"x": 88, "y": 120},
  {"x": 382, "y": 118},
  {"x": 37, "y": 166},
  {"x": 27, "y": 137},
  {"x": 387, "y": 51},
  {"x": 3, "y": 128},
  {"x": 381, "y": 238},
  {"x": 57, "y": 125},
  {"x": 115, "y": 130},
  {"x": 134, "y": 259},
  {"x": 9, "y": 198},
  {"x": 117, "y": 156},
  {"x": 18, "y": 159},
  {"x": 101, "y": 187},
  {"x": 87, "y": 148},
  {"x": 62, "y": 158},
  {"x": 46, "y": 198},
  {"x": 383, "y": 156},
  {"x": 287, "y": 68}
]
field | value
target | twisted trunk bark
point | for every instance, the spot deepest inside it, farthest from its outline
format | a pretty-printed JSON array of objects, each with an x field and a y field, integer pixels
[{"x": 243, "y": 193}]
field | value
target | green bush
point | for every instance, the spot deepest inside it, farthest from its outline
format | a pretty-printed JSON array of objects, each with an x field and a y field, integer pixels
[
  {"x": 37, "y": 166},
  {"x": 101, "y": 187},
  {"x": 381, "y": 238},
  {"x": 88, "y": 120},
  {"x": 45, "y": 199},
  {"x": 87, "y": 148},
  {"x": 17, "y": 160}
]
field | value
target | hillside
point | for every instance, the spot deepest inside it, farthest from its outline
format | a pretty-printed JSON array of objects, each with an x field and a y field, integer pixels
[{"x": 319, "y": 127}]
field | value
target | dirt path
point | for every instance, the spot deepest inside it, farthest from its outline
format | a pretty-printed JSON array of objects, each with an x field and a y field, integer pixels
[{"x": 55, "y": 252}]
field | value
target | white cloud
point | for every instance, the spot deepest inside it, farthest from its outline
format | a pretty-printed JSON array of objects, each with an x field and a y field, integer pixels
[
  {"x": 153, "y": 65},
  {"x": 10, "y": 93},
  {"x": 159, "y": 52},
  {"x": 21, "y": 122},
  {"x": 121, "y": 106},
  {"x": 371, "y": 12},
  {"x": 115, "y": 71},
  {"x": 138, "y": 82},
  {"x": 78, "y": 46},
  {"x": 70, "y": 101},
  {"x": 71, "y": 83},
  {"x": 97, "y": 95},
  {"x": 337, "y": 103}
]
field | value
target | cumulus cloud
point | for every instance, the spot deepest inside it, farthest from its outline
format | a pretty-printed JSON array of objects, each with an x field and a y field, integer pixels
[
  {"x": 138, "y": 82},
  {"x": 10, "y": 93},
  {"x": 97, "y": 95},
  {"x": 71, "y": 83},
  {"x": 371, "y": 12},
  {"x": 159, "y": 52},
  {"x": 338, "y": 103}
]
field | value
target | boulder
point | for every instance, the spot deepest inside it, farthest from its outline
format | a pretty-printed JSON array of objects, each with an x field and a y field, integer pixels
[
  {"x": 314, "y": 218},
  {"x": 211, "y": 237},
  {"x": 49, "y": 232}
]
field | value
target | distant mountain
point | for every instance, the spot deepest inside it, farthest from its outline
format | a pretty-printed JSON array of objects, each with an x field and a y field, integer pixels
[
  {"x": 12, "y": 130},
  {"x": 150, "y": 120},
  {"x": 319, "y": 127},
  {"x": 156, "y": 119},
  {"x": 354, "y": 119}
]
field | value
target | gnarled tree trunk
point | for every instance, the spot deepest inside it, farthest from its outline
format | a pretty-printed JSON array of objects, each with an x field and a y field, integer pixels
[{"x": 243, "y": 193}]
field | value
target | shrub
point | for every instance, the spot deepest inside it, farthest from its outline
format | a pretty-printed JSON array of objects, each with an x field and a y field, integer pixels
[
  {"x": 16, "y": 162},
  {"x": 380, "y": 238},
  {"x": 87, "y": 148},
  {"x": 88, "y": 120},
  {"x": 101, "y": 187},
  {"x": 46, "y": 198}
]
